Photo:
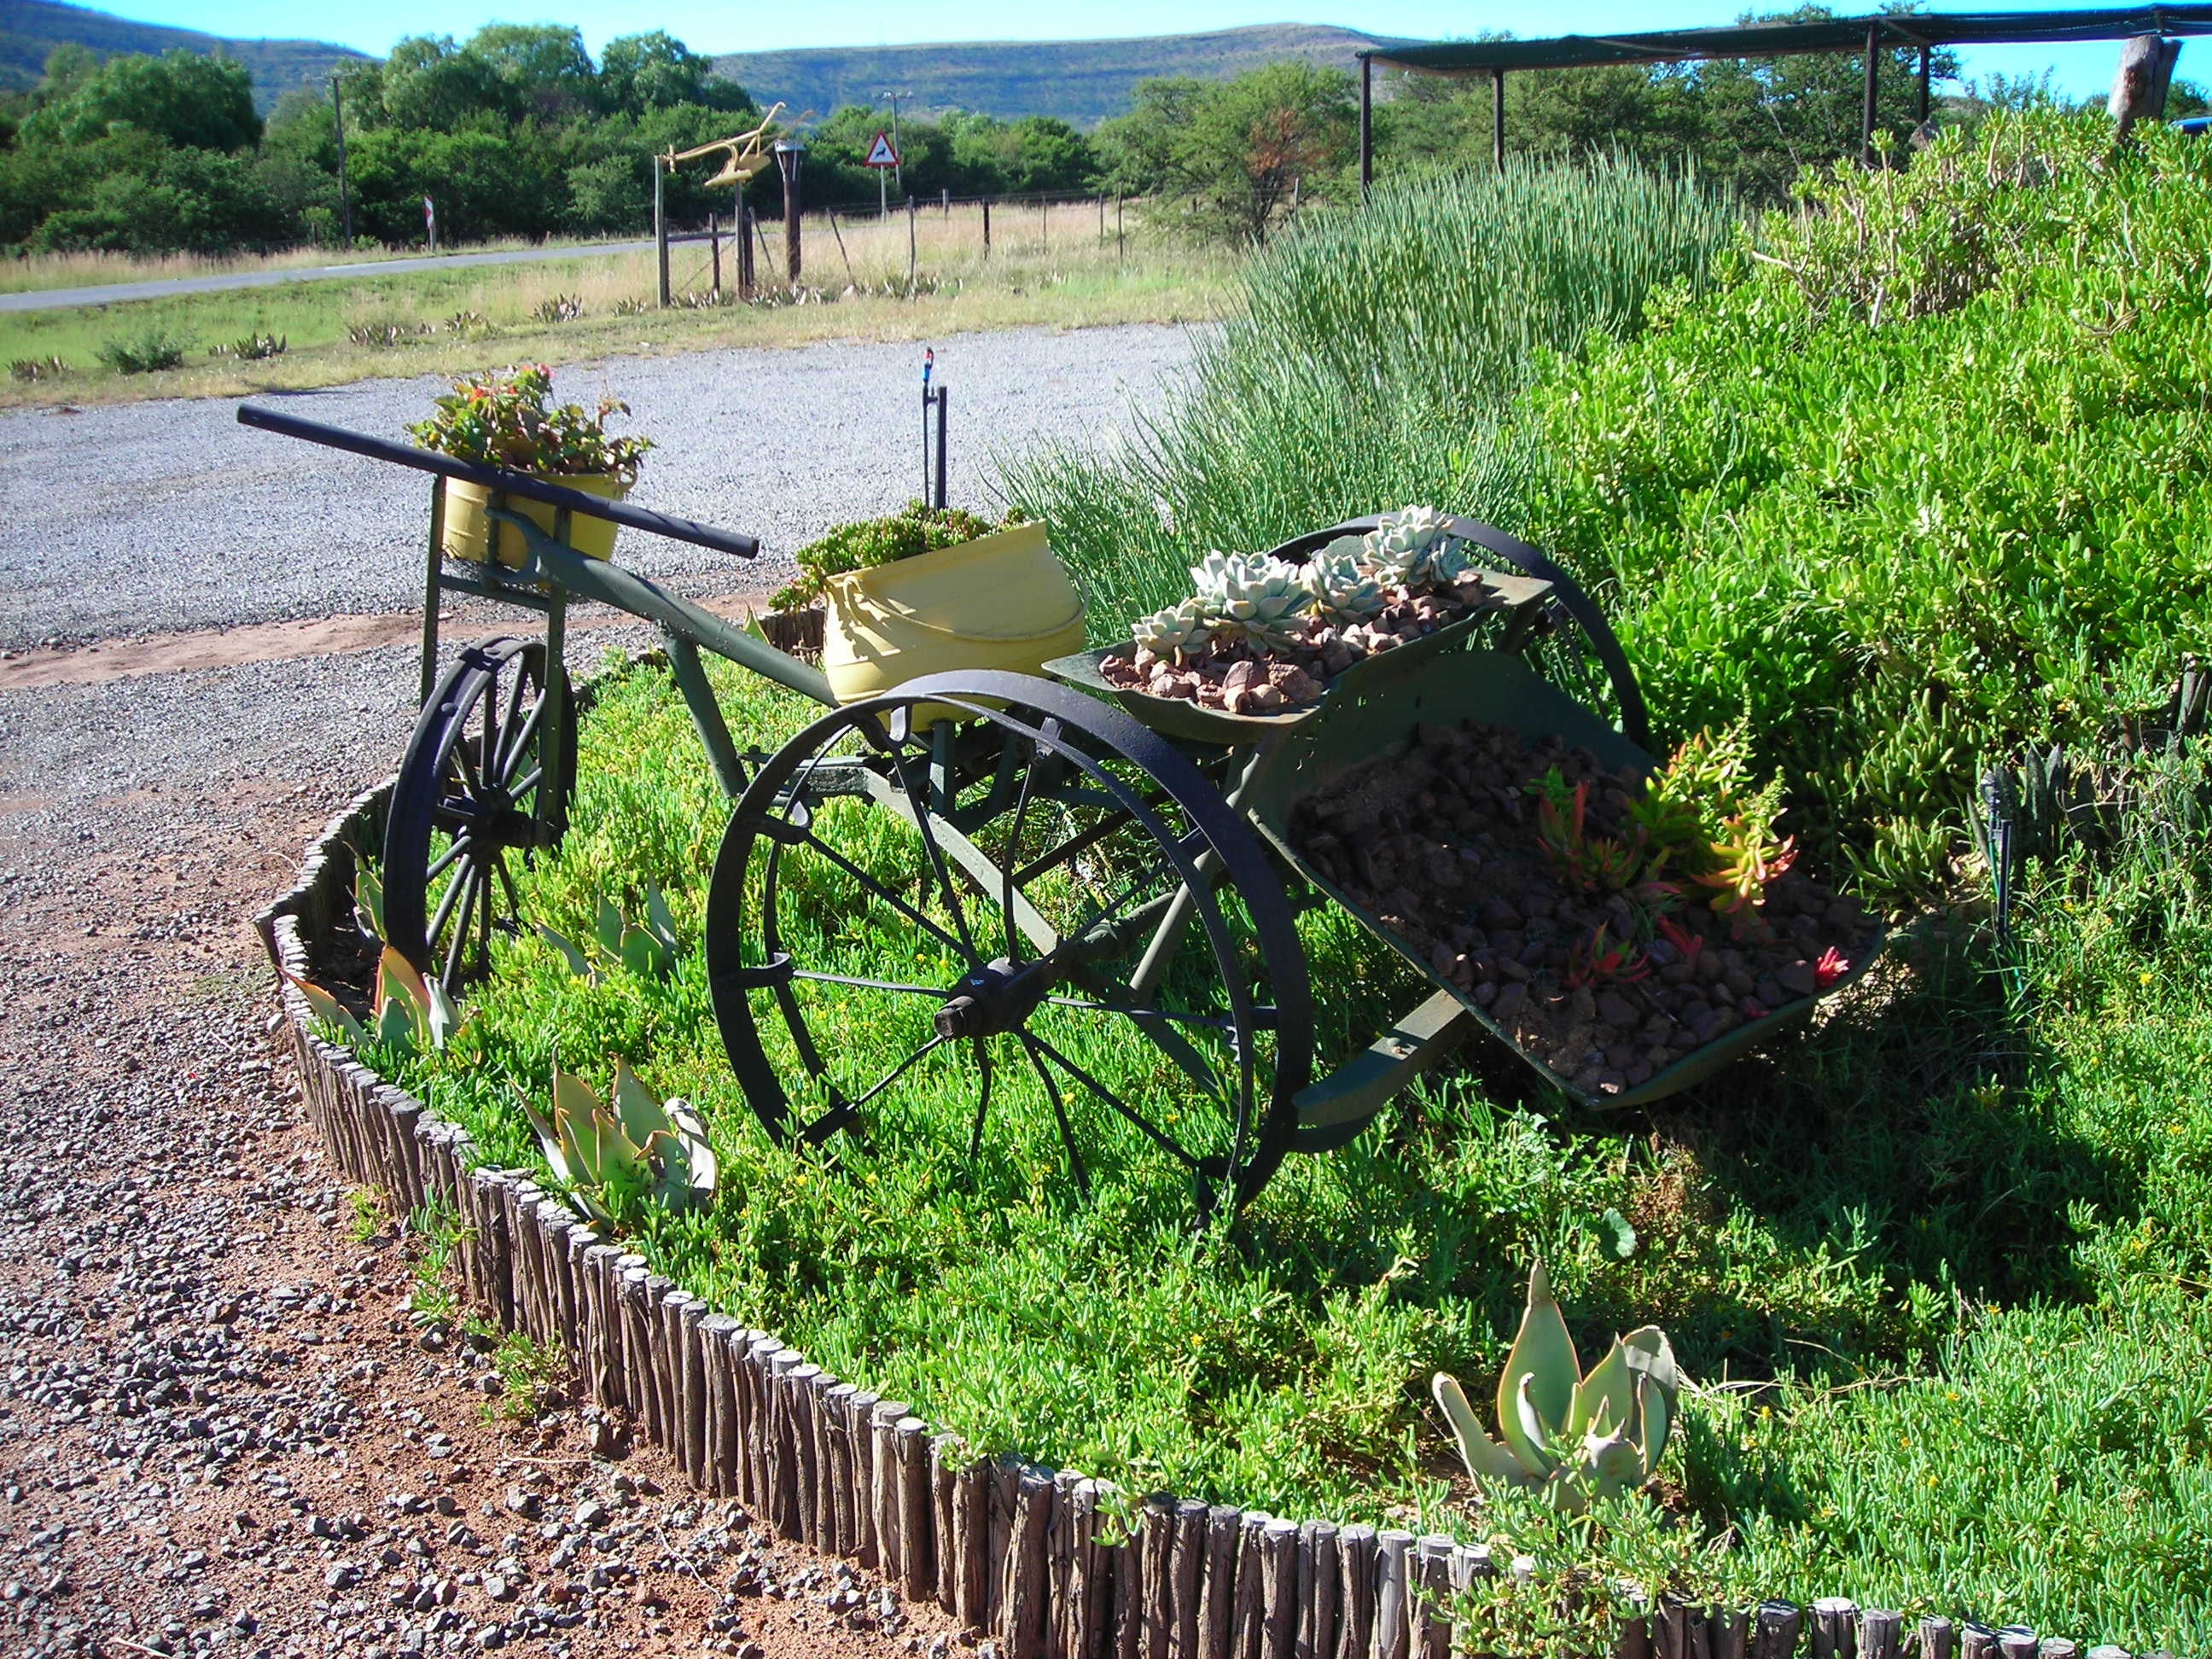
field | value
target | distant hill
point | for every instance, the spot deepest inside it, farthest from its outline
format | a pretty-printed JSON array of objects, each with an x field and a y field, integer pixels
[
  {"x": 29, "y": 29},
  {"x": 1081, "y": 81}
]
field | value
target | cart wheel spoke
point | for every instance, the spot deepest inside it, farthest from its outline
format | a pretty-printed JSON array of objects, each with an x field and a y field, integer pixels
[
  {"x": 894, "y": 900},
  {"x": 982, "y": 1050},
  {"x": 1059, "y": 1115},
  {"x": 1137, "y": 1119}
]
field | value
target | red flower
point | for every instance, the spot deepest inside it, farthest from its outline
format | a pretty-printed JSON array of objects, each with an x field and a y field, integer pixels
[{"x": 1830, "y": 968}]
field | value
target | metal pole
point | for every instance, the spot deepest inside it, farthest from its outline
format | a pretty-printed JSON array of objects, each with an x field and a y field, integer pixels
[
  {"x": 882, "y": 192},
  {"x": 1497, "y": 118},
  {"x": 660, "y": 230},
  {"x": 789, "y": 153},
  {"x": 987, "y": 227},
  {"x": 745, "y": 252},
  {"x": 1925, "y": 52},
  {"x": 909, "y": 246},
  {"x": 928, "y": 364},
  {"x": 714, "y": 250},
  {"x": 345, "y": 199},
  {"x": 941, "y": 449},
  {"x": 1366, "y": 125},
  {"x": 1866, "y": 121}
]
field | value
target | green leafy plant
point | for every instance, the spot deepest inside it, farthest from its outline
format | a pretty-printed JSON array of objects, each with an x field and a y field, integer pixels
[
  {"x": 915, "y": 529},
  {"x": 559, "y": 309},
  {"x": 631, "y": 1151},
  {"x": 647, "y": 948},
  {"x": 252, "y": 348},
  {"x": 143, "y": 351},
  {"x": 29, "y": 369},
  {"x": 505, "y": 417},
  {"x": 1252, "y": 597},
  {"x": 412, "y": 1015},
  {"x": 1577, "y": 1438}
]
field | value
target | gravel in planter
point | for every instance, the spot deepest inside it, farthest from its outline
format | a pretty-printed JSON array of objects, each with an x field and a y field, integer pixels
[{"x": 1439, "y": 843}]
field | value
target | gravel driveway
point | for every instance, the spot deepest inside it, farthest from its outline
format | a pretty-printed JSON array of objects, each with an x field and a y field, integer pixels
[
  {"x": 156, "y": 516},
  {"x": 219, "y": 1429}
]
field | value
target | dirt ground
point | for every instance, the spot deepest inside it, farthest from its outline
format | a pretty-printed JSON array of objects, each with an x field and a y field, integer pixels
[{"x": 220, "y": 1429}]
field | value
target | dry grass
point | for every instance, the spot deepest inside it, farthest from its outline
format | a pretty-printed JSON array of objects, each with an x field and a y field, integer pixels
[
  {"x": 39, "y": 273},
  {"x": 1043, "y": 269}
]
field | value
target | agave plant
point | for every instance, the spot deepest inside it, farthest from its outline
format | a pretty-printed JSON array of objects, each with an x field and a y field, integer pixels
[
  {"x": 413, "y": 1015},
  {"x": 632, "y": 1149},
  {"x": 1176, "y": 633},
  {"x": 1258, "y": 597},
  {"x": 1342, "y": 591},
  {"x": 647, "y": 948},
  {"x": 1574, "y": 1437}
]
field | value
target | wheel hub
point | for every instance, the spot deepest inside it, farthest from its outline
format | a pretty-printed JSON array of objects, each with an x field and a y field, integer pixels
[{"x": 1000, "y": 996}]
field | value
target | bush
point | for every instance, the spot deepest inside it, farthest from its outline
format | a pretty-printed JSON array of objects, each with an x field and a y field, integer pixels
[
  {"x": 1375, "y": 349},
  {"x": 1927, "y": 481},
  {"x": 143, "y": 352}
]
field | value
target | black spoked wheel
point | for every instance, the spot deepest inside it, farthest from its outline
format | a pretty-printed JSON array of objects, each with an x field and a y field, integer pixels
[
  {"x": 473, "y": 798},
  {"x": 989, "y": 911}
]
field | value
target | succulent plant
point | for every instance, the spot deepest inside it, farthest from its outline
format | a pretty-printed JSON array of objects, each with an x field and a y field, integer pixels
[
  {"x": 1342, "y": 592},
  {"x": 1173, "y": 634},
  {"x": 412, "y": 1014},
  {"x": 1413, "y": 548},
  {"x": 630, "y": 1149},
  {"x": 649, "y": 949},
  {"x": 1576, "y": 1437},
  {"x": 1257, "y": 597}
]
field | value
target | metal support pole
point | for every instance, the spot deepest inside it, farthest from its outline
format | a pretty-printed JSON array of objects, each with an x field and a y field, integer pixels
[
  {"x": 928, "y": 367},
  {"x": 789, "y": 153},
  {"x": 745, "y": 252},
  {"x": 1497, "y": 118},
  {"x": 660, "y": 230},
  {"x": 1920, "y": 108},
  {"x": 714, "y": 252},
  {"x": 941, "y": 401},
  {"x": 1366, "y": 125},
  {"x": 987, "y": 227},
  {"x": 909, "y": 246},
  {"x": 345, "y": 198},
  {"x": 1873, "y": 63}
]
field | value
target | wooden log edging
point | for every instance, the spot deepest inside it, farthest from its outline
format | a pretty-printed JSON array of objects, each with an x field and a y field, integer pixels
[{"x": 1027, "y": 1554}]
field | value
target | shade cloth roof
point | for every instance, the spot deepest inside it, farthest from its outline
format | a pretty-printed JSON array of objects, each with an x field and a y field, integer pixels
[{"x": 1777, "y": 40}]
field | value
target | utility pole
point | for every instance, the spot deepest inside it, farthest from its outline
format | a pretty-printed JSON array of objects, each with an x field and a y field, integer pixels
[
  {"x": 898, "y": 173},
  {"x": 345, "y": 201}
]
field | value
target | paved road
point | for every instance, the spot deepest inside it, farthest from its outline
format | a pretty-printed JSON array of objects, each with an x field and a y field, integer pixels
[
  {"x": 140, "y": 518},
  {"x": 108, "y": 294}
]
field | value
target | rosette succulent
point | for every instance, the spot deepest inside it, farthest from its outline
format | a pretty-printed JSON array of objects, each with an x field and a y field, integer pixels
[
  {"x": 1173, "y": 634},
  {"x": 1574, "y": 1437},
  {"x": 1258, "y": 597},
  {"x": 1413, "y": 548},
  {"x": 1342, "y": 590}
]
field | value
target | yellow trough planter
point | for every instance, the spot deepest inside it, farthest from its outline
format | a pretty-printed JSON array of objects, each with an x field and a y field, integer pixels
[
  {"x": 1003, "y": 601},
  {"x": 465, "y": 523}
]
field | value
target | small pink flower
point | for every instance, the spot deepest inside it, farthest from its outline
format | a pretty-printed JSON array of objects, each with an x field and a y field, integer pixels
[{"x": 1830, "y": 968}]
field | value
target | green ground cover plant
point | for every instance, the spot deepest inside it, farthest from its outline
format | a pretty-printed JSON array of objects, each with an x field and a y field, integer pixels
[{"x": 1937, "y": 1268}]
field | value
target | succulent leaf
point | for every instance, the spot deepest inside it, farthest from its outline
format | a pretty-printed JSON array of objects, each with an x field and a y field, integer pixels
[
  {"x": 1174, "y": 633},
  {"x": 1606, "y": 1394},
  {"x": 1527, "y": 1433},
  {"x": 1485, "y": 1458},
  {"x": 610, "y": 923},
  {"x": 658, "y": 921},
  {"x": 1543, "y": 1353},
  {"x": 1342, "y": 591},
  {"x": 578, "y": 964},
  {"x": 328, "y": 1009},
  {"x": 368, "y": 899}
]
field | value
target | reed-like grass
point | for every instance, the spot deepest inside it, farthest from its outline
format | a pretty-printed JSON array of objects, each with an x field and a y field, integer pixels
[{"x": 1375, "y": 349}]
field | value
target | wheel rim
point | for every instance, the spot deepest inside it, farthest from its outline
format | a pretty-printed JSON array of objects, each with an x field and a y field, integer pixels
[
  {"x": 945, "y": 932},
  {"x": 471, "y": 800}
]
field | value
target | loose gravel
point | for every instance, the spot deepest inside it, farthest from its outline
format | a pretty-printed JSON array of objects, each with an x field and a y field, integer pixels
[
  {"x": 222, "y": 1429},
  {"x": 140, "y": 518}
]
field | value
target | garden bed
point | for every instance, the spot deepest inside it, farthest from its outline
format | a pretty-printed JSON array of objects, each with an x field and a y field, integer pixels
[{"x": 1102, "y": 1339}]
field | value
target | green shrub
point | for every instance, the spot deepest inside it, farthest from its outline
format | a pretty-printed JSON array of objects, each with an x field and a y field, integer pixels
[
  {"x": 1929, "y": 479},
  {"x": 1374, "y": 349},
  {"x": 143, "y": 352}
]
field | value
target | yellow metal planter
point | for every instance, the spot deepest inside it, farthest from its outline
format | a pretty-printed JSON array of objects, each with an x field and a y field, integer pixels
[
  {"x": 465, "y": 524},
  {"x": 1004, "y": 601}
]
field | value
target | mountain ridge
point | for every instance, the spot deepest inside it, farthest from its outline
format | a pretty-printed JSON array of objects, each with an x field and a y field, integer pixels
[
  {"x": 1081, "y": 81},
  {"x": 29, "y": 29}
]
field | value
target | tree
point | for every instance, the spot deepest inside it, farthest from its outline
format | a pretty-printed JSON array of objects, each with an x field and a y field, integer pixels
[
  {"x": 429, "y": 83},
  {"x": 182, "y": 98},
  {"x": 1255, "y": 145},
  {"x": 639, "y": 72},
  {"x": 543, "y": 65}
]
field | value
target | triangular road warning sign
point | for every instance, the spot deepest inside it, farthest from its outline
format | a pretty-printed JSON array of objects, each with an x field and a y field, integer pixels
[{"x": 881, "y": 154}]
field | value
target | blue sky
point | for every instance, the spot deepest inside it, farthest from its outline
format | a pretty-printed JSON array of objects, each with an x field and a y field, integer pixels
[{"x": 372, "y": 25}]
